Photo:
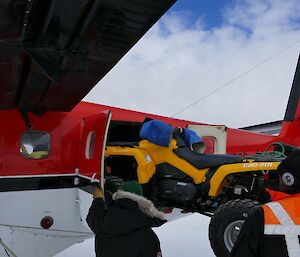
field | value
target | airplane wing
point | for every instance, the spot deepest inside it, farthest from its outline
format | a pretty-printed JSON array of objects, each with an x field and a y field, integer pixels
[{"x": 53, "y": 52}]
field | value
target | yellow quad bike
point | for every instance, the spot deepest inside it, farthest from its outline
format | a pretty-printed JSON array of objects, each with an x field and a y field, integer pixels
[{"x": 224, "y": 187}]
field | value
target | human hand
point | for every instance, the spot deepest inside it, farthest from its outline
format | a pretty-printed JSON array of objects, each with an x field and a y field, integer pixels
[{"x": 98, "y": 193}]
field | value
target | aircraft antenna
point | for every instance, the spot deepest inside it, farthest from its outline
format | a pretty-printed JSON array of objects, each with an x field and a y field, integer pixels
[{"x": 236, "y": 78}]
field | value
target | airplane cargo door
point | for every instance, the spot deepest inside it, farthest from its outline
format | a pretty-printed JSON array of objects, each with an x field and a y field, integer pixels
[{"x": 94, "y": 130}]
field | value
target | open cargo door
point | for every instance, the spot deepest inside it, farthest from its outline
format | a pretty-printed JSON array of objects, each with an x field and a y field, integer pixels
[{"x": 94, "y": 130}]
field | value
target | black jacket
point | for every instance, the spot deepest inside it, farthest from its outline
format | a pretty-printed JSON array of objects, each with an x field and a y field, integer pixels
[
  {"x": 253, "y": 243},
  {"x": 124, "y": 229}
]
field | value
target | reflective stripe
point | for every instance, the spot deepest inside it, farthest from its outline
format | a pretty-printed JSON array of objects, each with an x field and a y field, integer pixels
[
  {"x": 281, "y": 214},
  {"x": 287, "y": 228}
]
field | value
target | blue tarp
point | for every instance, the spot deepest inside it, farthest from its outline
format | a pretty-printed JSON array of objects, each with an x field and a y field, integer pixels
[{"x": 157, "y": 132}]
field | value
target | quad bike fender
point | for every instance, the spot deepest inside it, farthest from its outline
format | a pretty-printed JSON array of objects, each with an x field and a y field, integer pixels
[
  {"x": 217, "y": 181},
  {"x": 160, "y": 154},
  {"x": 145, "y": 165}
]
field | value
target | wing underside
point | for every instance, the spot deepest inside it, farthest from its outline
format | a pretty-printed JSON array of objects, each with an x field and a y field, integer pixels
[{"x": 53, "y": 52}]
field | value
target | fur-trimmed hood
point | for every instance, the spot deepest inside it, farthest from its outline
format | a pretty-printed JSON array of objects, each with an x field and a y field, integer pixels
[
  {"x": 130, "y": 212},
  {"x": 144, "y": 204}
]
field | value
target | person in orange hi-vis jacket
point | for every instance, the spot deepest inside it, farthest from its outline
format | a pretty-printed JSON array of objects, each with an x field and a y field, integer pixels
[{"x": 274, "y": 229}]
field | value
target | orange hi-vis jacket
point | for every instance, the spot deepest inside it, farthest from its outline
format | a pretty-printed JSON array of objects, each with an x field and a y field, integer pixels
[
  {"x": 277, "y": 195},
  {"x": 282, "y": 217},
  {"x": 272, "y": 230}
]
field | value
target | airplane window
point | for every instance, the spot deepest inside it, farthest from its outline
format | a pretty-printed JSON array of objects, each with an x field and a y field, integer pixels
[
  {"x": 90, "y": 145},
  {"x": 35, "y": 144}
]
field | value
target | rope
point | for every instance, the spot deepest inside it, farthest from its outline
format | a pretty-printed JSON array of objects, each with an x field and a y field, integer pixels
[
  {"x": 271, "y": 153},
  {"x": 275, "y": 154},
  {"x": 8, "y": 251},
  {"x": 278, "y": 154}
]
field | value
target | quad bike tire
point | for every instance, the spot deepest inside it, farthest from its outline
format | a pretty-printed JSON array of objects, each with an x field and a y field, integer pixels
[{"x": 226, "y": 223}]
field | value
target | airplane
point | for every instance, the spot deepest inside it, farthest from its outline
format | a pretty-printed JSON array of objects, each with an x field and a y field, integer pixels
[{"x": 52, "y": 145}]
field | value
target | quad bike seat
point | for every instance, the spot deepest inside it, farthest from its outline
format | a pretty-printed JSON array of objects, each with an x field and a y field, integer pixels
[{"x": 201, "y": 161}]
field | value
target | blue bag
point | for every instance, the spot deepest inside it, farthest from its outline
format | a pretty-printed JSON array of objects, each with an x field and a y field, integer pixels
[
  {"x": 157, "y": 132},
  {"x": 190, "y": 137}
]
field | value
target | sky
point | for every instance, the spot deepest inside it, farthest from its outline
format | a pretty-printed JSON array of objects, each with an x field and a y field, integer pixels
[
  {"x": 200, "y": 46},
  {"x": 247, "y": 48},
  {"x": 209, "y": 11}
]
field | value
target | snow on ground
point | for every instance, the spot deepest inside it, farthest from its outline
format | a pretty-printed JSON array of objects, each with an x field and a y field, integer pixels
[{"x": 187, "y": 236}]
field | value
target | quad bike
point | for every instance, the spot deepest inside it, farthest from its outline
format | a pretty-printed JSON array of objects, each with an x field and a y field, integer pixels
[{"x": 225, "y": 187}]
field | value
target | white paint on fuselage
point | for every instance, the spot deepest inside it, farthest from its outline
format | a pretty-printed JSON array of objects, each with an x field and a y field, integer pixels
[{"x": 22, "y": 212}]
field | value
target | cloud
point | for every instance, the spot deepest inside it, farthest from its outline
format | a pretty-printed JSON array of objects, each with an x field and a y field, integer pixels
[
  {"x": 264, "y": 15},
  {"x": 178, "y": 62}
]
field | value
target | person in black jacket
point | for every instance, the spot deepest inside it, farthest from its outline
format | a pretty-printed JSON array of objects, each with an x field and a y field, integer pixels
[
  {"x": 274, "y": 229},
  {"x": 123, "y": 228}
]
